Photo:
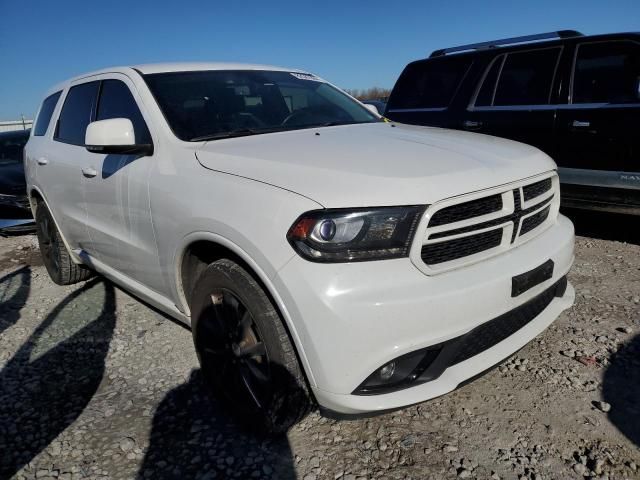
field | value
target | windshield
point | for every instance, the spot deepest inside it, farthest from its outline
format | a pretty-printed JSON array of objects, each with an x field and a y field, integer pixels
[{"x": 206, "y": 105}]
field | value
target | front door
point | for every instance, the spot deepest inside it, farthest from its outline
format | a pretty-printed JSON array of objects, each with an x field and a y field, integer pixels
[{"x": 117, "y": 197}]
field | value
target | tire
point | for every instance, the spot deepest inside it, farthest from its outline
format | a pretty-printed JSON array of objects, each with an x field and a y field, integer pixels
[
  {"x": 55, "y": 256},
  {"x": 247, "y": 358}
]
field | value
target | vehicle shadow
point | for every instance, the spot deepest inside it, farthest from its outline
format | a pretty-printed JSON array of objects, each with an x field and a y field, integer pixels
[
  {"x": 605, "y": 225},
  {"x": 193, "y": 436},
  {"x": 621, "y": 389},
  {"x": 14, "y": 292},
  {"x": 50, "y": 380}
]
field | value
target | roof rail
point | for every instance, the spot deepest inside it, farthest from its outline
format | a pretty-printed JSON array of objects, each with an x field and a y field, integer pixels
[{"x": 507, "y": 41}]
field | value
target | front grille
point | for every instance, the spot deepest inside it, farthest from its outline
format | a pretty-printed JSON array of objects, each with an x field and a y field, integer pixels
[
  {"x": 467, "y": 210},
  {"x": 536, "y": 189},
  {"x": 493, "y": 332},
  {"x": 453, "y": 231},
  {"x": 534, "y": 220},
  {"x": 435, "y": 253}
]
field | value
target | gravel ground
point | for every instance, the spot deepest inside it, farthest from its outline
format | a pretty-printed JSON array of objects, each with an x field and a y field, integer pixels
[{"x": 94, "y": 384}]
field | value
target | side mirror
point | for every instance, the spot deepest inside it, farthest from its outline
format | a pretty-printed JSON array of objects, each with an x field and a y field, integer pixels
[
  {"x": 372, "y": 108},
  {"x": 114, "y": 135}
]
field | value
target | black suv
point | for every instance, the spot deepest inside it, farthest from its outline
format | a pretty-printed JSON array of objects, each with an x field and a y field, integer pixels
[{"x": 575, "y": 97}]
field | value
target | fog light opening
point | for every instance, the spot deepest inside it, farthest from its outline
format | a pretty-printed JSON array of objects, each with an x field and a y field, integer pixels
[
  {"x": 387, "y": 371},
  {"x": 399, "y": 373}
]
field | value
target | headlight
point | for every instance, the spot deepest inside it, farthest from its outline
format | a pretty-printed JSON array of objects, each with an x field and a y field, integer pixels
[{"x": 350, "y": 235}]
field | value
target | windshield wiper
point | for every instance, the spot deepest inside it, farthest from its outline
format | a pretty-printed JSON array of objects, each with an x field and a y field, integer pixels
[
  {"x": 241, "y": 132},
  {"x": 345, "y": 122}
]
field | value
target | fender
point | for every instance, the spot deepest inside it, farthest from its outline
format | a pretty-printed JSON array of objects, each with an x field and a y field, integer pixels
[{"x": 264, "y": 278}]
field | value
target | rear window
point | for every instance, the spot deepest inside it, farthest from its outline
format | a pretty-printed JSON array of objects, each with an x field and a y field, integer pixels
[
  {"x": 429, "y": 84},
  {"x": 44, "y": 117},
  {"x": 520, "y": 78},
  {"x": 76, "y": 113},
  {"x": 607, "y": 72}
]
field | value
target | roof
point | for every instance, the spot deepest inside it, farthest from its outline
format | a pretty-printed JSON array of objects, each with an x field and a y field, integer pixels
[
  {"x": 497, "y": 46},
  {"x": 149, "y": 68},
  {"x": 195, "y": 66}
]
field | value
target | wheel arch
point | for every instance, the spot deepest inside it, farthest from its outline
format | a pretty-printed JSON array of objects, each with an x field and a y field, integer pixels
[
  {"x": 35, "y": 196},
  {"x": 201, "y": 249}
]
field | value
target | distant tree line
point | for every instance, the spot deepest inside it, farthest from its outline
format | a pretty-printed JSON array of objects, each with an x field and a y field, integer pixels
[{"x": 373, "y": 93}]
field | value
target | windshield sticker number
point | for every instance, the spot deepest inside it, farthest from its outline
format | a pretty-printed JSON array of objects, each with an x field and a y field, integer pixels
[{"x": 305, "y": 76}]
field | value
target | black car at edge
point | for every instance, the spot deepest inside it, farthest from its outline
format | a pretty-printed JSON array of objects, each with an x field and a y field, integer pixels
[
  {"x": 575, "y": 97},
  {"x": 15, "y": 213}
]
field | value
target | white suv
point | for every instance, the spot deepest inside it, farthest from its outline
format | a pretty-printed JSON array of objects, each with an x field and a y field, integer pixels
[{"x": 319, "y": 252}]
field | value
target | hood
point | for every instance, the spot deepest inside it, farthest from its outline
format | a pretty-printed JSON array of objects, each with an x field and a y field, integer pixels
[{"x": 375, "y": 164}]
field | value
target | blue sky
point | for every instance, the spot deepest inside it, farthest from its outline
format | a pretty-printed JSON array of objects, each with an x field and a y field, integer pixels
[{"x": 352, "y": 44}]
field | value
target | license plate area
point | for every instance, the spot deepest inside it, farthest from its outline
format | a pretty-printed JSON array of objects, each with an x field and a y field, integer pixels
[{"x": 527, "y": 280}]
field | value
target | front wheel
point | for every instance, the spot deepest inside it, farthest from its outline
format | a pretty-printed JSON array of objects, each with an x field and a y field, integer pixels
[
  {"x": 55, "y": 256},
  {"x": 246, "y": 355}
]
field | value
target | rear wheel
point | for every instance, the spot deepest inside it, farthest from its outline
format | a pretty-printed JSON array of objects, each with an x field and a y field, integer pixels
[
  {"x": 245, "y": 352},
  {"x": 55, "y": 256}
]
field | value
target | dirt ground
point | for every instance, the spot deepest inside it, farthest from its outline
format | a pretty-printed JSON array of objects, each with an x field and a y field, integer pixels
[{"x": 95, "y": 384}]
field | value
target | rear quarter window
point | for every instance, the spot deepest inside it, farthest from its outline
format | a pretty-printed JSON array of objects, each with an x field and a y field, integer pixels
[
  {"x": 44, "y": 117},
  {"x": 429, "y": 83}
]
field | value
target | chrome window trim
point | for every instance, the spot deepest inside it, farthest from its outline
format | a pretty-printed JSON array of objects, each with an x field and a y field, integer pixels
[
  {"x": 558, "y": 106},
  {"x": 435, "y": 109},
  {"x": 600, "y": 178}
]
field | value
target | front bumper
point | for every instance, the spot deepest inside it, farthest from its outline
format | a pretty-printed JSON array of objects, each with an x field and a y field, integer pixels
[{"x": 351, "y": 319}]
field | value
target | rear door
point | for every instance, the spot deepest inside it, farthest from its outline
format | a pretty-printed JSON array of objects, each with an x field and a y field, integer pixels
[
  {"x": 61, "y": 163},
  {"x": 598, "y": 130},
  {"x": 515, "y": 98}
]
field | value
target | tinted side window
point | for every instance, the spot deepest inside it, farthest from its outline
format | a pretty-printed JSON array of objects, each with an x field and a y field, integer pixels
[
  {"x": 488, "y": 88},
  {"x": 116, "y": 101},
  {"x": 526, "y": 78},
  {"x": 76, "y": 113},
  {"x": 429, "y": 84},
  {"x": 607, "y": 72},
  {"x": 44, "y": 117}
]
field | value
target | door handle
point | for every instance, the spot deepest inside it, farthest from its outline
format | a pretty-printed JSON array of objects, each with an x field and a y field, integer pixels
[
  {"x": 580, "y": 124},
  {"x": 42, "y": 161},
  {"x": 471, "y": 124},
  {"x": 89, "y": 172}
]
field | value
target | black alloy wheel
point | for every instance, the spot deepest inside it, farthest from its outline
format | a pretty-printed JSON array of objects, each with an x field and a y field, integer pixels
[{"x": 234, "y": 356}]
